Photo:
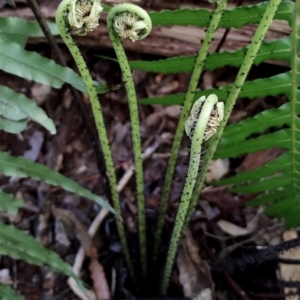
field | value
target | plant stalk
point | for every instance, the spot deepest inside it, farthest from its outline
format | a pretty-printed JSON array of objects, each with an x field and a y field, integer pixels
[
  {"x": 80, "y": 105},
  {"x": 194, "y": 163},
  {"x": 100, "y": 125},
  {"x": 188, "y": 101},
  {"x": 295, "y": 95},
  {"x": 136, "y": 140},
  {"x": 235, "y": 90}
]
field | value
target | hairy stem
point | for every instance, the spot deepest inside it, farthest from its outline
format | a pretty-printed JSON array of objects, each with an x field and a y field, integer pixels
[
  {"x": 194, "y": 163},
  {"x": 62, "y": 24},
  {"x": 135, "y": 125},
  {"x": 188, "y": 101},
  {"x": 236, "y": 88},
  {"x": 80, "y": 105}
]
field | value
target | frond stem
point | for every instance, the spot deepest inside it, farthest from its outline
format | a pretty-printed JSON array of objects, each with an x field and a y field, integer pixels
[
  {"x": 188, "y": 101},
  {"x": 63, "y": 27},
  {"x": 235, "y": 90}
]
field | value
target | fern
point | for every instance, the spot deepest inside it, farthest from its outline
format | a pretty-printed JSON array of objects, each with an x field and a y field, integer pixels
[
  {"x": 17, "y": 244},
  {"x": 12, "y": 126},
  {"x": 274, "y": 127},
  {"x": 15, "y": 60},
  {"x": 17, "y": 107},
  {"x": 9, "y": 203},
  {"x": 17, "y": 30},
  {"x": 275, "y": 183},
  {"x": 236, "y": 17},
  {"x": 278, "y": 50},
  {"x": 278, "y": 180},
  {"x": 21, "y": 167},
  {"x": 273, "y": 86},
  {"x": 7, "y": 293},
  {"x": 15, "y": 110}
]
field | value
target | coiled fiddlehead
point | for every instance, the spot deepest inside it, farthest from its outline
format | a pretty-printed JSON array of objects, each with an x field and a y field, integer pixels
[
  {"x": 81, "y": 17},
  {"x": 131, "y": 21},
  {"x": 203, "y": 122}
]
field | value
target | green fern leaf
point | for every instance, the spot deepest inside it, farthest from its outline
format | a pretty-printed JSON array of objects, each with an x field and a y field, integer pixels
[
  {"x": 281, "y": 138},
  {"x": 15, "y": 106},
  {"x": 9, "y": 203},
  {"x": 278, "y": 182},
  {"x": 18, "y": 30},
  {"x": 288, "y": 209},
  {"x": 12, "y": 126},
  {"x": 7, "y": 293},
  {"x": 15, "y": 60},
  {"x": 276, "y": 117},
  {"x": 236, "y": 17},
  {"x": 17, "y": 244},
  {"x": 275, "y": 85},
  {"x": 280, "y": 164},
  {"x": 264, "y": 184},
  {"x": 21, "y": 167},
  {"x": 275, "y": 195},
  {"x": 21, "y": 27},
  {"x": 277, "y": 50}
]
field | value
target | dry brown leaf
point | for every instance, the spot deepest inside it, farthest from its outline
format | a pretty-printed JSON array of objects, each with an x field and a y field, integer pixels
[
  {"x": 258, "y": 159},
  {"x": 233, "y": 229},
  {"x": 100, "y": 283},
  {"x": 72, "y": 223},
  {"x": 194, "y": 273}
]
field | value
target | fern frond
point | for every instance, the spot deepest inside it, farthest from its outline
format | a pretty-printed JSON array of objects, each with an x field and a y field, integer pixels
[
  {"x": 266, "y": 183},
  {"x": 15, "y": 60},
  {"x": 278, "y": 182},
  {"x": 236, "y": 17},
  {"x": 274, "y": 50},
  {"x": 21, "y": 167},
  {"x": 281, "y": 164},
  {"x": 9, "y": 203},
  {"x": 17, "y": 244},
  {"x": 276, "y": 194},
  {"x": 17, "y": 107},
  {"x": 272, "y": 86},
  {"x": 17, "y": 30},
  {"x": 12, "y": 126},
  {"x": 281, "y": 138},
  {"x": 7, "y": 293},
  {"x": 276, "y": 117}
]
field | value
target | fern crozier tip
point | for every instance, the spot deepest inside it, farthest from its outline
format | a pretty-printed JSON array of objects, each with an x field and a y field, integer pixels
[
  {"x": 216, "y": 116},
  {"x": 83, "y": 16},
  {"x": 130, "y": 21}
]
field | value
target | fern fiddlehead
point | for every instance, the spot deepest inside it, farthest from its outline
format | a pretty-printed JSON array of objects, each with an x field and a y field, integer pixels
[
  {"x": 204, "y": 119},
  {"x": 130, "y": 21},
  {"x": 81, "y": 17},
  {"x": 189, "y": 97}
]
